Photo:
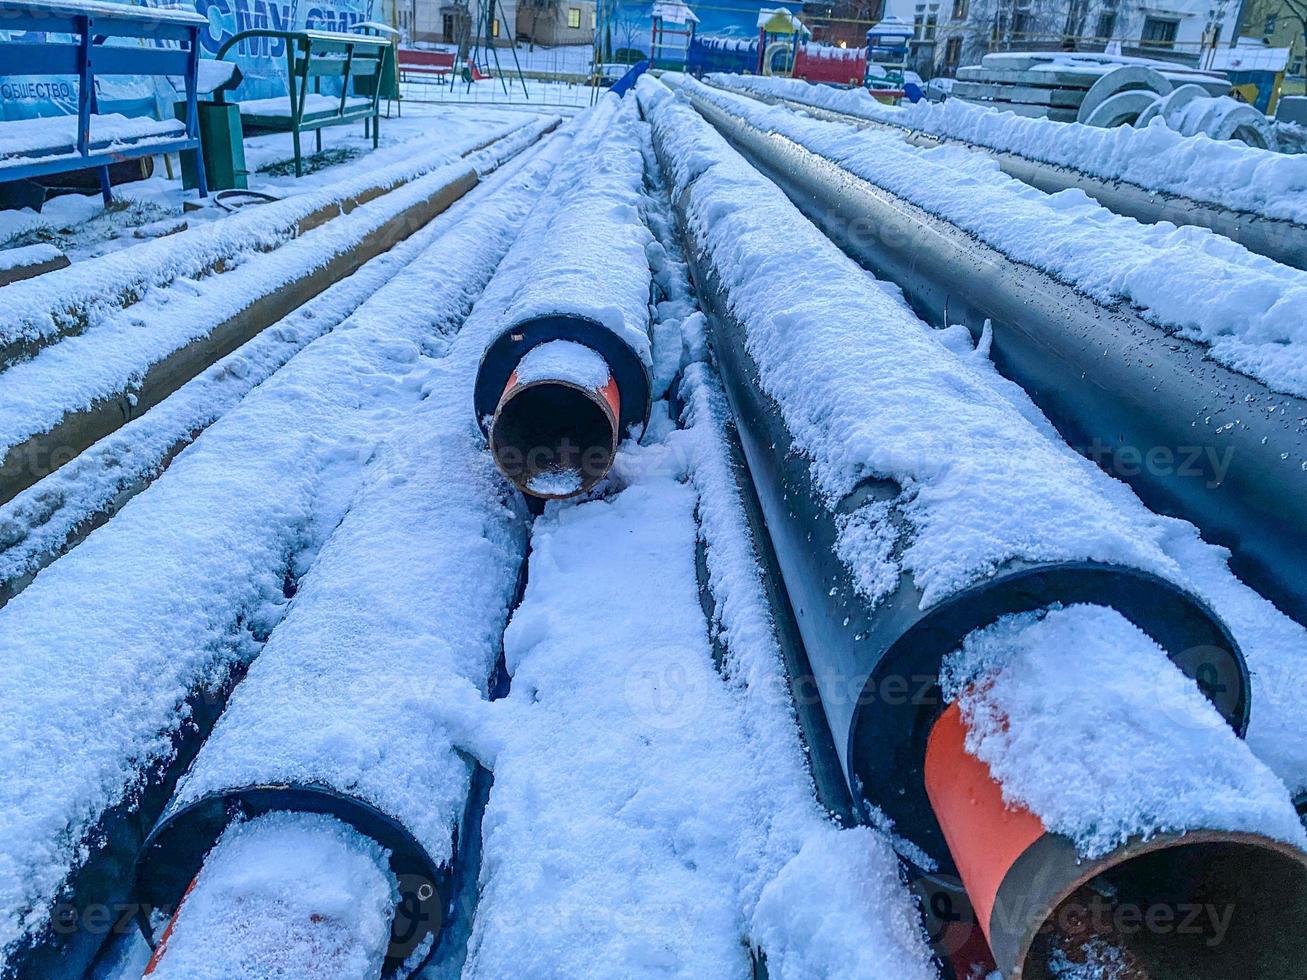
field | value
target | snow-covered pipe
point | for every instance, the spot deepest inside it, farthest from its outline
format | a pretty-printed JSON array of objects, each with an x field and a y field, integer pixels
[
  {"x": 566, "y": 376},
  {"x": 399, "y": 622},
  {"x": 863, "y": 558},
  {"x": 1276, "y": 238},
  {"x": 1190, "y": 435},
  {"x": 291, "y": 895},
  {"x": 1102, "y": 817}
]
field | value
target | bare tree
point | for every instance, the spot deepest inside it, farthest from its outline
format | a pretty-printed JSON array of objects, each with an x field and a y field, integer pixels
[
  {"x": 550, "y": 9},
  {"x": 1298, "y": 11}
]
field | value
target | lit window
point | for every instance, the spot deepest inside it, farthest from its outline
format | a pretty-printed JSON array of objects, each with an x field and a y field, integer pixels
[
  {"x": 593, "y": 20},
  {"x": 574, "y": 17},
  {"x": 494, "y": 27}
]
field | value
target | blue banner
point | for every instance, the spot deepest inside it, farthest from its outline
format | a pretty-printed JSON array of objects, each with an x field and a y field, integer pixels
[{"x": 262, "y": 60}]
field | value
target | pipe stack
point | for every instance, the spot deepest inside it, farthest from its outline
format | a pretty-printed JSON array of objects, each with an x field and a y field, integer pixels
[{"x": 911, "y": 505}]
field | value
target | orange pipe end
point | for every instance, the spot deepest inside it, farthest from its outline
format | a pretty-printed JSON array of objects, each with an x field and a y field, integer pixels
[
  {"x": 555, "y": 428},
  {"x": 157, "y": 956},
  {"x": 985, "y": 835}
]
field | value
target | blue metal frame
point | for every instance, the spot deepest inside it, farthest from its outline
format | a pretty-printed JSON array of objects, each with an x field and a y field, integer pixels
[{"x": 89, "y": 57}]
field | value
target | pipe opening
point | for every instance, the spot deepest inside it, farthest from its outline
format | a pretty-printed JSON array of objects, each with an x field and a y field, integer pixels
[
  {"x": 553, "y": 439},
  {"x": 1228, "y": 905}
]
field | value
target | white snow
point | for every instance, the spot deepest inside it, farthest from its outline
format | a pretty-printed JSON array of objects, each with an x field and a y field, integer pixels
[
  {"x": 1274, "y": 645},
  {"x": 1083, "y": 720},
  {"x": 1245, "y": 308},
  {"x": 563, "y": 360},
  {"x": 37, "y": 524},
  {"x": 285, "y": 896},
  {"x": 98, "y": 652},
  {"x": 17, "y": 258},
  {"x": 867, "y": 390},
  {"x": 314, "y": 105},
  {"x": 28, "y": 140},
  {"x": 839, "y": 910},
  {"x": 589, "y": 242}
]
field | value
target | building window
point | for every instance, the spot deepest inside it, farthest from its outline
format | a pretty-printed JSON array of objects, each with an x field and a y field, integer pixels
[
  {"x": 574, "y": 18},
  {"x": 1159, "y": 32},
  {"x": 1020, "y": 24},
  {"x": 494, "y": 27},
  {"x": 1269, "y": 27},
  {"x": 932, "y": 22},
  {"x": 952, "y": 54},
  {"x": 959, "y": 9},
  {"x": 1106, "y": 25},
  {"x": 594, "y": 20}
]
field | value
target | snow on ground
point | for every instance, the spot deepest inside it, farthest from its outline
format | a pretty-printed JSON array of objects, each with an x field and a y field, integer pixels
[
  {"x": 1245, "y": 308},
  {"x": 1037, "y": 690},
  {"x": 1222, "y": 172},
  {"x": 80, "y": 225},
  {"x": 98, "y": 652},
  {"x": 286, "y": 896},
  {"x": 108, "y": 361}
]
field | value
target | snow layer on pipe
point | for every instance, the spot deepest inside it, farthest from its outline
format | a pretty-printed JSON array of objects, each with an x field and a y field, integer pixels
[
  {"x": 563, "y": 360},
  {"x": 87, "y": 293},
  {"x": 108, "y": 361},
  {"x": 37, "y": 522},
  {"x": 1274, "y": 645},
  {"x": 1084, "y": 720},
  {"x": 96, "y": 655},
  {"x": 1222, "y": 172},
  {"x": 589, "y": 246},
  {"x": 628, "y": 831},
  {"x": 1247, "y": 309},
  {"x": 289, "y": 896},
  {"x": 980, "y": 484},
  {"x": 407, "y": 599}
]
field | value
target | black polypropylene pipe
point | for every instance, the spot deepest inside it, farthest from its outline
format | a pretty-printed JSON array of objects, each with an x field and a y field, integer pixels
[
  {"x": 877, "y": 669},
  {"x": 1276, "y": 238},
  {"x": 1193, "y": 438}
]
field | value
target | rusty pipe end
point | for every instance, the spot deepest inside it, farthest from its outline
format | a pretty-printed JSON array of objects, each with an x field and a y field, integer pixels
[
  {"x": 1202, "y": 905},
  {"x": 555, "y": 438}
]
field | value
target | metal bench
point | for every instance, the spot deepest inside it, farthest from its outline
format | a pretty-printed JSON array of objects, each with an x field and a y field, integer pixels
[
  {"x": 310, "y": 57},
  {"x": 33, "y": 148},
  {"x": 416, "y": 62}
]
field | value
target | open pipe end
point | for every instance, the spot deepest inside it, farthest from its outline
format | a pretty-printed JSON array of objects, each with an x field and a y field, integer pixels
[
  {"x": 555, "y": 438},
  {"x": 1203, "y": 905}
]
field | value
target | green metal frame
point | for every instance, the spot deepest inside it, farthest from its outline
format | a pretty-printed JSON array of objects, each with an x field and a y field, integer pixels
[{"x": 314, "y": 55}]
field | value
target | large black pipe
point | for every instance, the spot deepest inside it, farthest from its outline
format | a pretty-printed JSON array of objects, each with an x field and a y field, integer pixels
[
  {"x": 1193, "y": 438},
  {"x": 1276, "y": 238},
  {"x": 877, "y": 667}
]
